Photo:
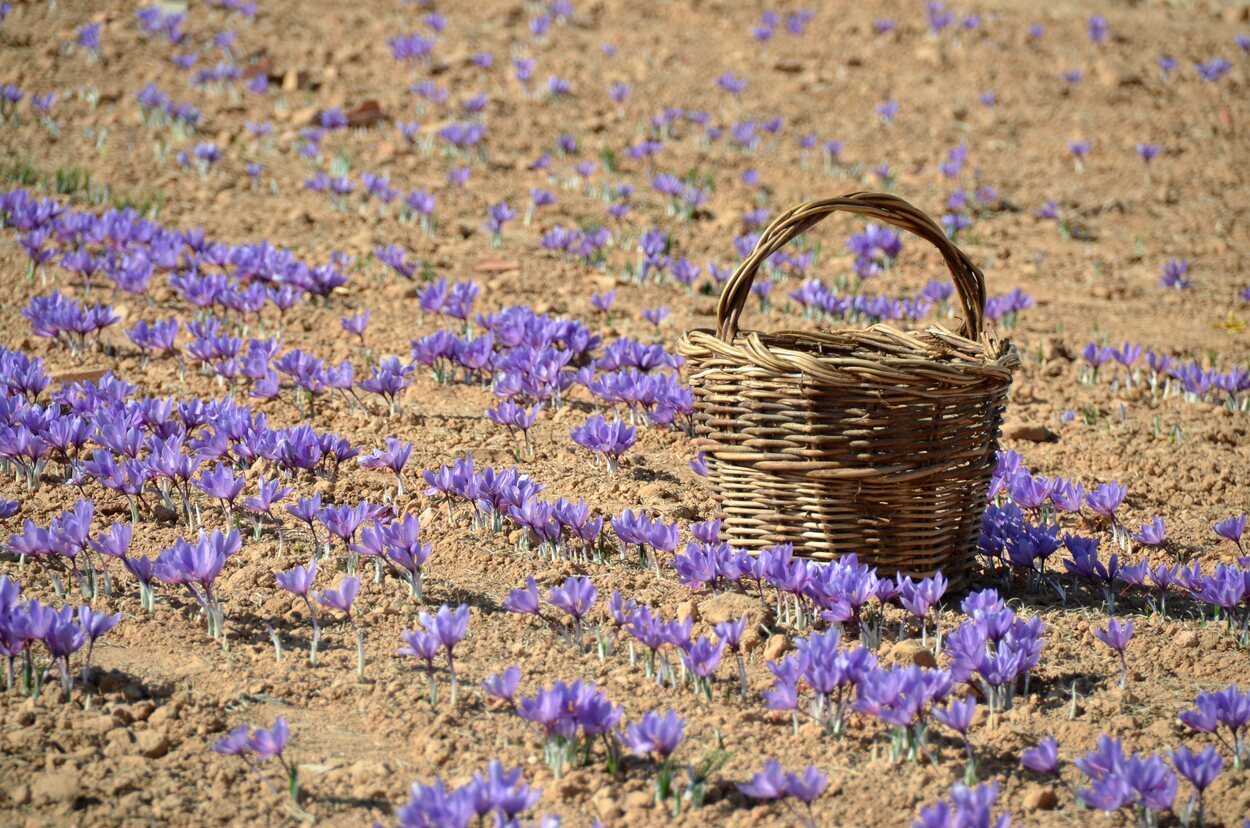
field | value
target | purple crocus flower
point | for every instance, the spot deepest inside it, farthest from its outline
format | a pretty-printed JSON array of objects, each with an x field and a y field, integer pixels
[
  {"x": 497, "y": 216},
  {"x": 655, "y": 735},
  {"x": 807, "y": 788},
  {"x": 267, "y": 744},
  {"x": 576, "y": 598},
  {"x": 610, "y": 440},
  {"x": 1214, "y": 69},
  {"x": 1175, "y": 274},
  {"x": 1097, "y": 29},
  {"x": 94, "y": 625},
  {"x": 356, "y": 324},
  {"x": 1042, "y": 759},
  {"x": 1117, "y": 636},
  {"x": 89, "y": 37},
  {"x": 342, "y": 598},
  {"x": 449, "y": 627},
  {"x": 770, "y": 783},
  {"x": 1106, "y": 499},
  {"x": 503, "y": 687},
  {"x": 524, "y": 601},
  {"x": 234, "y": 743},
  {"x": 1232, "y": 529},
  {"x": 1152, "y": 534}
]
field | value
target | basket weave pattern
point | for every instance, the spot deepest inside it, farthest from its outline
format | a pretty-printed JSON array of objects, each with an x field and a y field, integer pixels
[{"x": 879, "y": 442}]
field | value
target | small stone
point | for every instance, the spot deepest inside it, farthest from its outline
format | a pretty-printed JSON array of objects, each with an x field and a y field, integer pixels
[
  {"x": 911, "y": 651},
  {"x": 365, "y": 114},
  {"x": 656, "y": 491},
  {"x": 164, "y": 514},
  {"x": 688, "y": 609},
  {"x": 497, "y": 266},
  {"x": 98, "y": 725},
  {"x": 637, "y": 800},
  {"x": 1030, "y": 433},
  {"x": 152, "y": 744},
  {"x": 776, "y": 647},
  {"x": 605, "y": 802},
  {"x": 1187, "y": 639},
  {"x": 56, "y": 786},
  {"x": 1038, "y": 798},
  {"x": 163, "y": 714},
  {"x": 72, "y": 375},
  {"x": 19, "y": 794}
]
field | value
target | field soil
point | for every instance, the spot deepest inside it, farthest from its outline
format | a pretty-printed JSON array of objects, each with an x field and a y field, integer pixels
[{"x": 133, "y": 746}]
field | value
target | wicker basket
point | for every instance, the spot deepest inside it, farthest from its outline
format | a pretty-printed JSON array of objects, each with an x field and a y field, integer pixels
[{"x": 879, "y": 442}]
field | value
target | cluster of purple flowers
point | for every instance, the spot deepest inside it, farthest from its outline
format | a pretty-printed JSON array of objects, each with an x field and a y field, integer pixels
[
  {"x": 67, "y": 321},
  {"x": 500, "y": 794},
  {"x": 260, "y": 746},
  {"x": 576, "y": 244},
  {"x": 1009, "y": 536},
  {"x": 443, "y": 631},
  {"x": 968, "y": 807},
  {"x": 158, "y": 108},
  {"x": 1166, "y": 375},
  {"x": 62, "y": 633},
  {"x": 822, "y": 303},
  {"x": 875, "y": 249},
  {"x": 129, "y": 250},
  {"x": 571, "y": 718}
]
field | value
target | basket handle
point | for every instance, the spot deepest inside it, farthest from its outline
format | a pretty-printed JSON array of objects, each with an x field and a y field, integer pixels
[{"x": 969, "y": 281}]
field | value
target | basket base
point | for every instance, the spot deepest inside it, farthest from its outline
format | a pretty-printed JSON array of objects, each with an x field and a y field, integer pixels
[{"x": 912, "y": 531}]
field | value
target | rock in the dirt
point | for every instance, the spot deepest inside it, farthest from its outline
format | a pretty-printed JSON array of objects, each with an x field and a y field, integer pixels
[
  {"x": 55, "y": 786},
  {"x": 688, "y": 609},
  {"x": 1187, "y": 639},
  {"x": 152, "y": 744},
  {"x": 97, "y": 725},
  {"x": 19, "y": 794},
  {"x": 910, "y": 651},
  {"x": 638, "y": 800},
  {"x": 89, "y": 373},
  {"x": 1030, "y": 433},
  {"x": 1038, "y": 798},
  {"x": 776, "y": 647},
  {"x": 365, "y": 114}
]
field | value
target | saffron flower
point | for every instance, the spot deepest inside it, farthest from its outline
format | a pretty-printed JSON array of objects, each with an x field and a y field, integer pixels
[
  {"x": 1044, "y": 758},
  {"x": 342, "y": 600},
  {"x": 1232, "y": 529},
  {"x": 449, "y": 627},
  {"x": 1117, "y": 636},
  {"x": 658, "y": 737},
  {"x": 299, "y": 581},
  {"x": 610, "y": 440},
  {"x": 1200, "y": 770}
]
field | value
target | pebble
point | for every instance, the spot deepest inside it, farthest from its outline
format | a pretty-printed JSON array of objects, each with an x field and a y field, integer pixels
[
  {"x": 152, "y": 744},
  {"x": 910, "y": 651},
  {"x": 637, "y": 800},
  {"x": 1030, "y": 433},
  {"x": 1187, "y": 639},
  {"x": 776, "y": 647},
  {"x": 1038, "y": 798},
  {"x": 56, "y": 786}
]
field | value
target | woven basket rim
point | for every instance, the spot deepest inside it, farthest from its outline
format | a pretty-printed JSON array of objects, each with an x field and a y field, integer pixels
[{"x": 881, "y": 354}]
